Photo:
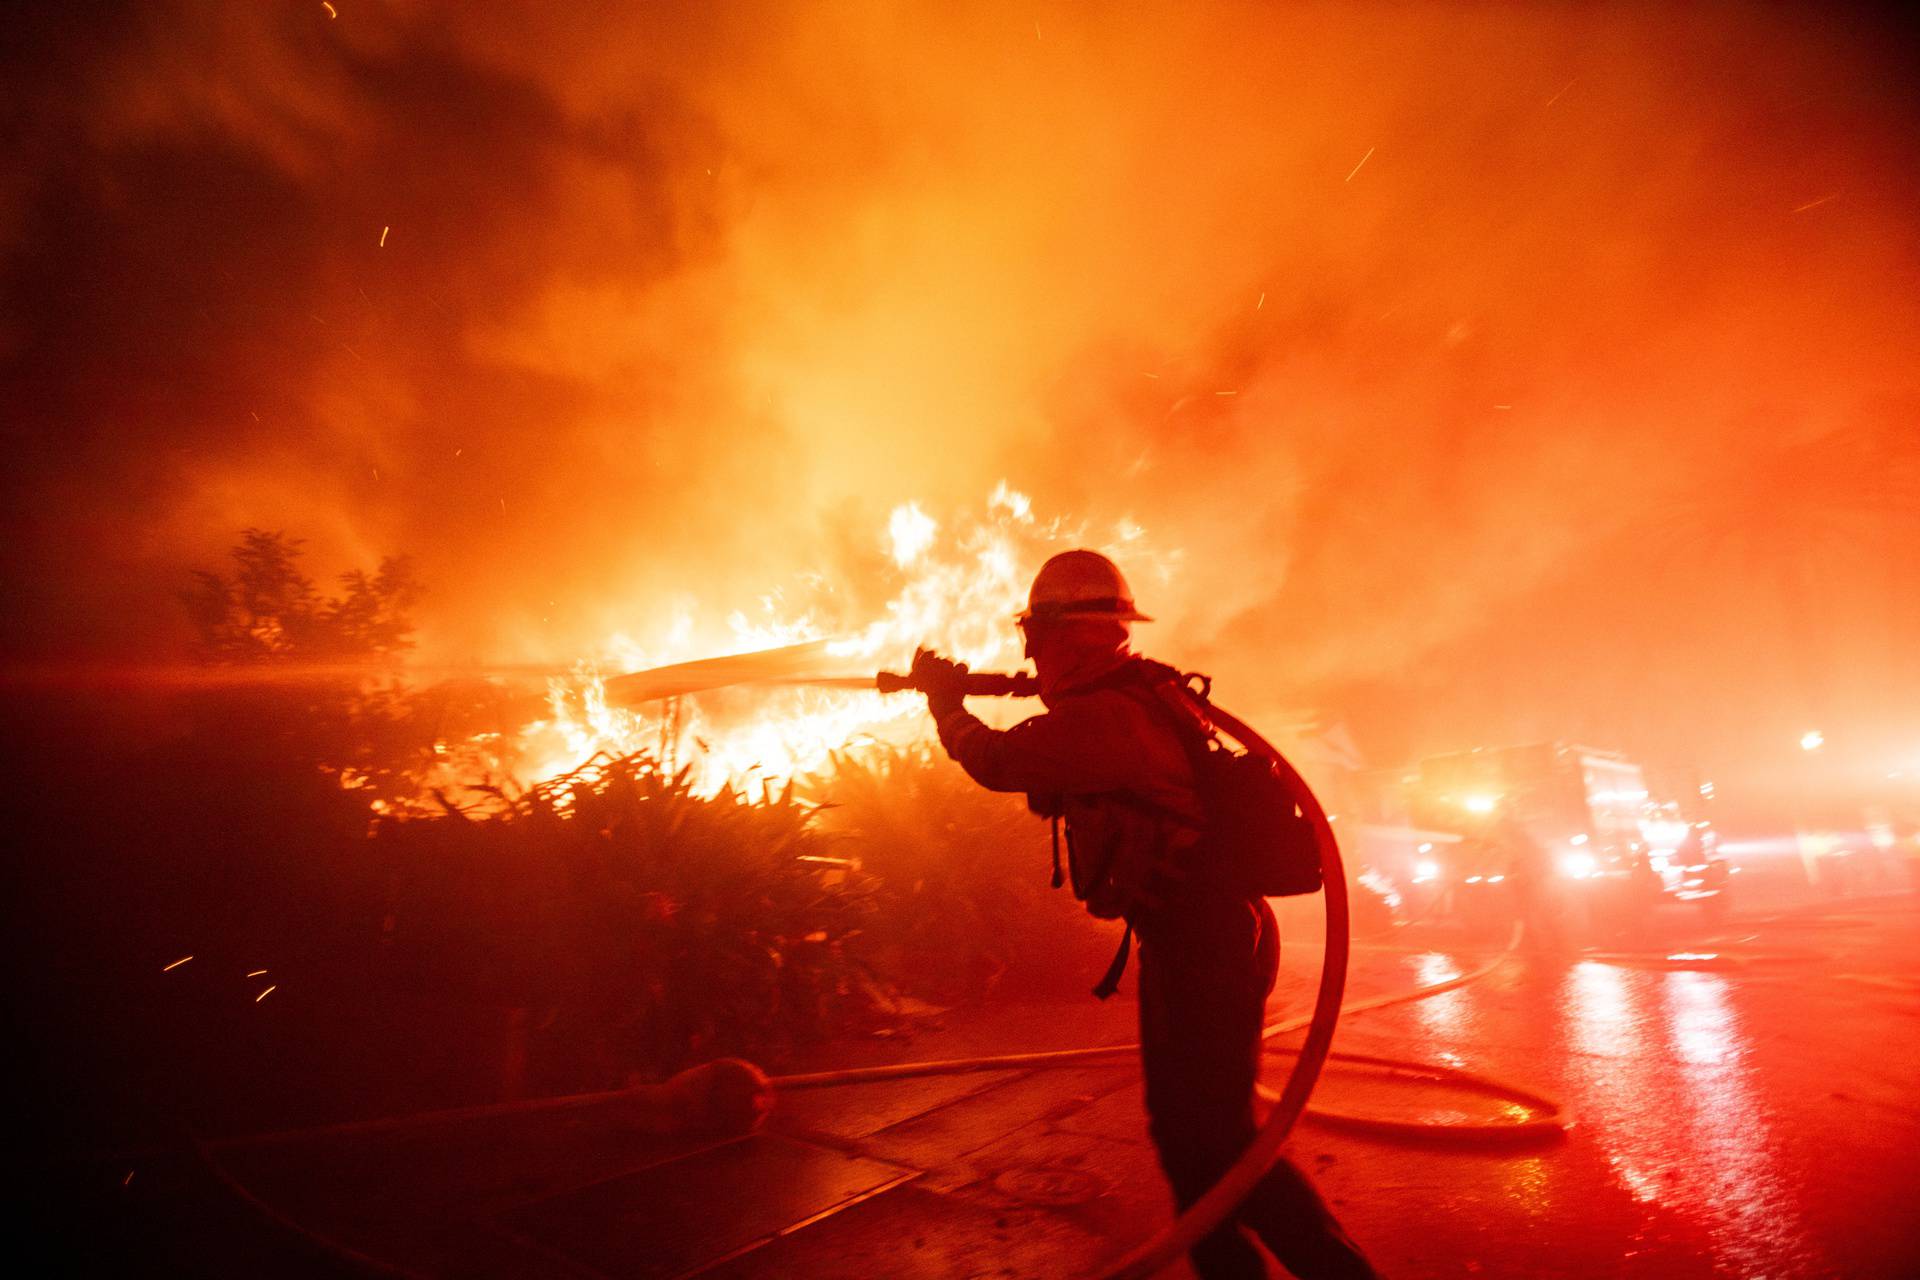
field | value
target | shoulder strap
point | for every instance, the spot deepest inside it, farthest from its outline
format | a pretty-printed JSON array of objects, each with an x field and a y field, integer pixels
[{"x": 1167, "y": 695}]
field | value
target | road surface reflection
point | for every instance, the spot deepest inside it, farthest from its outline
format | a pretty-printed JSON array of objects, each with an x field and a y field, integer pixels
[{"x": 1658, "y": 1064}]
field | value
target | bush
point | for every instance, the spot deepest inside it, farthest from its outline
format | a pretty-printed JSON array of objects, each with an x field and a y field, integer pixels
[
  {"x": 643, "y": 927},
  {"x": 964, "y": 903}
]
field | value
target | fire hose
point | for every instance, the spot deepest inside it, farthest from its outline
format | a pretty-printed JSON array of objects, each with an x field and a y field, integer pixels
[{"x": 1211, "y": 1209}]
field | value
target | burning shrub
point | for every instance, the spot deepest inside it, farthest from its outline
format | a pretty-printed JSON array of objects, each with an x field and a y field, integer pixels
[{"x": 640, "y": 925}]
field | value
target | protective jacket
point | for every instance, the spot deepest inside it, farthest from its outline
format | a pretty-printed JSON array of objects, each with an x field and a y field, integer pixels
[{"x": 1106, "y": 757}]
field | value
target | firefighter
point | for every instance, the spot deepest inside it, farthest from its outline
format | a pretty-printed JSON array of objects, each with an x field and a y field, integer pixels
[{"x": 1103, "y": 758}]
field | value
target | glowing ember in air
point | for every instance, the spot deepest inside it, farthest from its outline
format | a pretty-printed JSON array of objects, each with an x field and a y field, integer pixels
[
  {"x": 264, "y": 994},
  {"x": 176, "y": 964},
  {"x": 331, "y": 11},
  {"x": 954, "y": 585},
  {"x": 258, "y": 973}
]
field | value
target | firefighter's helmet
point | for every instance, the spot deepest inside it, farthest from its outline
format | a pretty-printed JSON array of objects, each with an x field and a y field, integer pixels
[{"x": 1080, "y": 584}]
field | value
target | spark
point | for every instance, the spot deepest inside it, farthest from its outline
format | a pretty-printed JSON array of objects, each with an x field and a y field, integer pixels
[
  {"x": 1814, "y": 204},
  {"x": 1563, "y": 88},
  {"x": 1226, "y": 393},
  {"x": 383, "y": 236},
  {"x": 264, "y": 994},
  {"x": 257, "y": 973},
  {"x": 1154, "y": 376},
  {"x": 129, "y": 1178},
  {"x": 176, "y": 964},
  {"x": 331, "y": 11},
  {"x": 1363, "y": 160},
  {"x": 1262, "y": 302},
  {"x": 1503, "y": 406}
]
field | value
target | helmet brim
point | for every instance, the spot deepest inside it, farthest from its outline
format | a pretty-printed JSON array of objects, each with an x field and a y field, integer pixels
[{"x": 1069, "y": 615}]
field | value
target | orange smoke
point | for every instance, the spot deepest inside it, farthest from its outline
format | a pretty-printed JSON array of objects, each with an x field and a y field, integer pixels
[{"x": 1432, "y": 335}]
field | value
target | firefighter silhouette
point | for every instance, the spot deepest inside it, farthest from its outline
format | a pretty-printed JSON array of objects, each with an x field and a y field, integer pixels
[{"x": 1100, "y": 756}]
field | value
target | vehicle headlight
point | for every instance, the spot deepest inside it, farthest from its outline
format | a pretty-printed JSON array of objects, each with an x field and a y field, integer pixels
[{"x": 1578, "y": 866}]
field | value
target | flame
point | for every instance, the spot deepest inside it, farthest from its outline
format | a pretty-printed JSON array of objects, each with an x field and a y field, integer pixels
[
  {"x": 912, "y": 532},
  {"x": 951, "y": 586}
]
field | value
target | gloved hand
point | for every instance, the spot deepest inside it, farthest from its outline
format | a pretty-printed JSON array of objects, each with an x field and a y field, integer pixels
[{"x": 944, "y": 682}]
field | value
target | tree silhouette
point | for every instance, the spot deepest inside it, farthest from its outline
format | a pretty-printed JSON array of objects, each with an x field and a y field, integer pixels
[
  {"x": 269, "y": 610},
  {"x": 332, "y": 709}
]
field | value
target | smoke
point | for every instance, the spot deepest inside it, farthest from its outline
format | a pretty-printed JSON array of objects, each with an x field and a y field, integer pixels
[{"x": 1400, "y": 323}]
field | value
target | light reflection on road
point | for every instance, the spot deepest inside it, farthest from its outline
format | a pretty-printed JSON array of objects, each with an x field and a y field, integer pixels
[
  {"x": 1444, "y": 1016},
  {"x": 1658, "y": 1062},
  {"x": 1752, "y": 1214}
]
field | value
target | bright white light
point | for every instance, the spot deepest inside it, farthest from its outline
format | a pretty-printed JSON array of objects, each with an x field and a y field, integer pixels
[
  {"x": 1479, "y": 804},
  {"x": 1812, "y": 740},
  {"x": 1579, "y": 866},
  {"x": 1473, "y": 879},
  {"x": 911, "y": 531},
  {"x": 1426, "y": 848},
  {"x": 1579, "y": 839},
  {"x": 1425, "y": 871}
]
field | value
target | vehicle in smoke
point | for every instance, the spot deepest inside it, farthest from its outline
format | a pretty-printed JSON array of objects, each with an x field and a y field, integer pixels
[{"x": 1567, "y": 836}]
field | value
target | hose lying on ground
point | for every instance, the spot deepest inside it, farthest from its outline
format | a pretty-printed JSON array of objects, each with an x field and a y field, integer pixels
[{"x": 1205, "y": 1214}]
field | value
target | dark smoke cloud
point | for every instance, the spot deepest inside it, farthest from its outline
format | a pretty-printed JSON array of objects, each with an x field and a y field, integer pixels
[{"x": 1433, "y": 338}]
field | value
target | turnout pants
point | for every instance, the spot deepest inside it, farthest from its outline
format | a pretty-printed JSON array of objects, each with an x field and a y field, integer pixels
[{"x": 1205, "y": 972}]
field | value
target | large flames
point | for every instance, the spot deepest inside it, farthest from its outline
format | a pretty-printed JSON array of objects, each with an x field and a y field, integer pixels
[{"x": 952, "y": 585}]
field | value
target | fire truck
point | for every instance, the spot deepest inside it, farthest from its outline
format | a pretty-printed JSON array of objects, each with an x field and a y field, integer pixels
[{"x": 1554, "y": 828}]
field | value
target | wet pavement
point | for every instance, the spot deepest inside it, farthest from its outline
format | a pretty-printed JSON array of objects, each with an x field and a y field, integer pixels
[{"x": 1743, "y": 1097}]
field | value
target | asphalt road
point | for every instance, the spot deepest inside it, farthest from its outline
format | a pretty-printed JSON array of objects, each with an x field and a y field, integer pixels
[
  {"x": 1743, "y": 1096},
  {"x": 1745, "y": 1109}
]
